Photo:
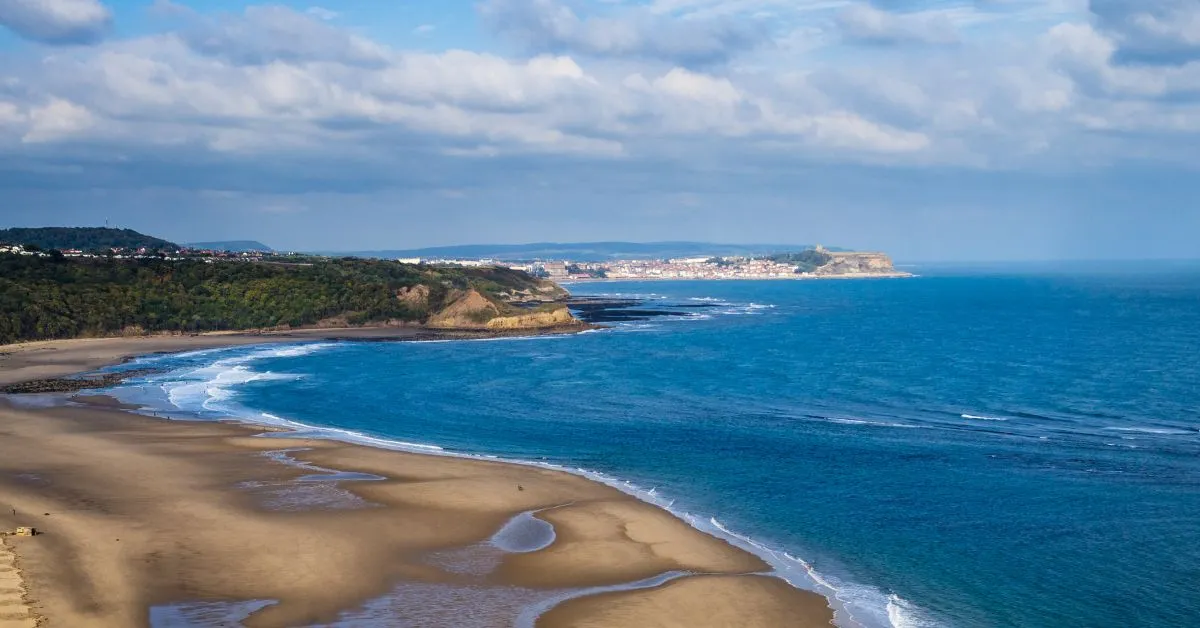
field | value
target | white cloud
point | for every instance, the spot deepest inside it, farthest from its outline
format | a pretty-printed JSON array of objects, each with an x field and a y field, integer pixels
[
  {"x": 56, "y": 120},
  {"x": 1090, "y": 57},
  {"x": 865, "y": 23},
  {"x": 634, "y": 32},
  {"x": 1155, "y": 31},
  {"x": 57, "y": 21},
  {"x": 322, "y": 13},
  {"x": 263, "y": 34},
  {"x": 707, "y": 90}
]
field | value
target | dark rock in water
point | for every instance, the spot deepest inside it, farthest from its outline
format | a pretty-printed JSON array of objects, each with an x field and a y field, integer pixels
[
  {"x": 73, "y": 384},
  {"x": 613, "y": 316},
  {"x": 605, "y": 310}
]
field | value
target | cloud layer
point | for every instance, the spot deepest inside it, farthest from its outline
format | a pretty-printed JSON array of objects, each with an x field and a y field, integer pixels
[
  {"x": 667, "y": 97},
  {"x": 639, "y": 33},
  {"x": 57, "y": 21}
]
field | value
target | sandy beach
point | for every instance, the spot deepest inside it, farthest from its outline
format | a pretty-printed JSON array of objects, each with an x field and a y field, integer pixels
[{"x": 142, "y": 516}]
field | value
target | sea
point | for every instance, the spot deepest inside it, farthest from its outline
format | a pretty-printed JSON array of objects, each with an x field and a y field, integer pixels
[{"x": 1008, "y": 445}]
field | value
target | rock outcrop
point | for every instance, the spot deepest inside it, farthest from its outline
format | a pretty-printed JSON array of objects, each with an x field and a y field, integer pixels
[
  {"x": 560, "y": 317},
  {"x": 467, "y": 310},
  {"x": 415, "y": 297},
  {"x": 866, "y": 264},
  {"x": 472, "y": 310},
  {"x": 544, "y": 292}
]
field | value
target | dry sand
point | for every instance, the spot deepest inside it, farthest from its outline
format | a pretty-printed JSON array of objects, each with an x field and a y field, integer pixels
[
  {"x": 724, "y": 601},
  {"x": 15, "y": 612},
  {"x": 139, "y": 512}
]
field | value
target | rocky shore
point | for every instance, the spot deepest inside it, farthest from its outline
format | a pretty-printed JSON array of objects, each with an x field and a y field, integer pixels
[{"x": 72, "y": 384}]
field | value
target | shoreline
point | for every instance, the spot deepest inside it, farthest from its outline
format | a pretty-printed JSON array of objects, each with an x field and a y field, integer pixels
[
  {"x": 582, "y": 553},
  {"x": 896, "y": 275}
]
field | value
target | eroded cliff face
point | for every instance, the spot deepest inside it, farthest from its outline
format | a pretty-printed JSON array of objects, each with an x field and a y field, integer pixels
[
  {"x": 544, "y": 292},
  {"x": 560, "y": 317},
  {"x": 858, "y": 264},
  {"x": 467, "y": 310},
  {"x": 416, "y": 297},
  {"x": 471, "y": 310}
]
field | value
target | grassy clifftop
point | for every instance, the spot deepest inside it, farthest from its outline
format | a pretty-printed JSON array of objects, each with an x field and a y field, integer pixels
[{"x": 47, "y": 297}]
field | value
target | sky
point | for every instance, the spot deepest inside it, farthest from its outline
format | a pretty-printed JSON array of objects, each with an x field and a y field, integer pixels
[{"x": 930, "y": 129}]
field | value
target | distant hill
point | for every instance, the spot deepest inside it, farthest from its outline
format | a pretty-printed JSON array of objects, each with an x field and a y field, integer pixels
[
  {"x": 235, "y": 246},
  {"x": 84, "y": 238},
  {"x": 589, "y": 251}
]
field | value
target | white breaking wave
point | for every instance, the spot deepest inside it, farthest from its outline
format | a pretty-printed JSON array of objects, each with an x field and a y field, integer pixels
[
  {"x": 983, "y": 418},
  {"x": 205, "y": 387},
  {"x": 854, "y": 605},
  {"x": 873, "y": 423},
  {"x": 1154, "y": 430},
  {"x": 902, "y": 614}
]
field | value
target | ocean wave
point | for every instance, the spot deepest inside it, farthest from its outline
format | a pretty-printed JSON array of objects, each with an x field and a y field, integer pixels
[
  {"x": 977, "y": 417},
  {"x": 902, "y": 614},
  {"x": 870, "y": 423},
  {"x": 1161, "y": 431},
  {"x": 201, "y": 389}
]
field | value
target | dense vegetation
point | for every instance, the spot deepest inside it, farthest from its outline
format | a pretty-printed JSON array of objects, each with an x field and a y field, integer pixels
[
  {"x": 55, "y": 297},
  {"x": 84, "y": 239},
  {"x": 805, "y": 261}
]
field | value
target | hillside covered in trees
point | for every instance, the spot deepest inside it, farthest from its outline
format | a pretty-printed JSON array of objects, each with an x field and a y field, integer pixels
[
  {"x": 84, "y": 239},
  {"x": 56, "y": 297}
]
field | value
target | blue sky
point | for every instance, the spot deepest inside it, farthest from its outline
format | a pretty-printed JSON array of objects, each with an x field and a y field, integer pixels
[{"x": 932, "y": 129}]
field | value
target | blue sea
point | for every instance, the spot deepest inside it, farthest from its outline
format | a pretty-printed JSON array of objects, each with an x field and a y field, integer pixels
[{"x": 992, "y": 446}]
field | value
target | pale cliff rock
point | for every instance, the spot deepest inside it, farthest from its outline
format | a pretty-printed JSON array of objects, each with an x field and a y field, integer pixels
[
  {"x": 472, "y": 310},
  {"x": 467, "y": 310},
  {"x": 545, "y": 291},
  {"x": 416, "y": 297},
  {"x": 858, "y": 264},
  {"x": 560, "y": 317}
]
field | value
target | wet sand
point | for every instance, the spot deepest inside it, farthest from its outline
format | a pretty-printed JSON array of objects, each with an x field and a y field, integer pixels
[{"x": 140, "y": 513}]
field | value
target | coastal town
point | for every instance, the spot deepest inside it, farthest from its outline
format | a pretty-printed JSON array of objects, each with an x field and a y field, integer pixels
[{"x": 815, "y": 263}]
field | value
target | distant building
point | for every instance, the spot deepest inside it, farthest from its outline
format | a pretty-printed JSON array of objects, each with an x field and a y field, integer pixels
[
  {"x": 409, "y": 260},
  {"x": 556, "y": 270}
]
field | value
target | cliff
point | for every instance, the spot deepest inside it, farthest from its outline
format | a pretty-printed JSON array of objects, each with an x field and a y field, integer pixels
[
  {"x": 472, "y": 310},
  {"x": 557, "y": 317},
  {"x": 858, "y": 264}
]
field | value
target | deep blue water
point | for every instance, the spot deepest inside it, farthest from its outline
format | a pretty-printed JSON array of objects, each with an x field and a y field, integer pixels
[{"x": 992, "y": 448}]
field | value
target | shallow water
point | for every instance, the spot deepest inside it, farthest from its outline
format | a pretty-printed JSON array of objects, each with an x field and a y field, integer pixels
[{"x": 970, "y": 449}]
